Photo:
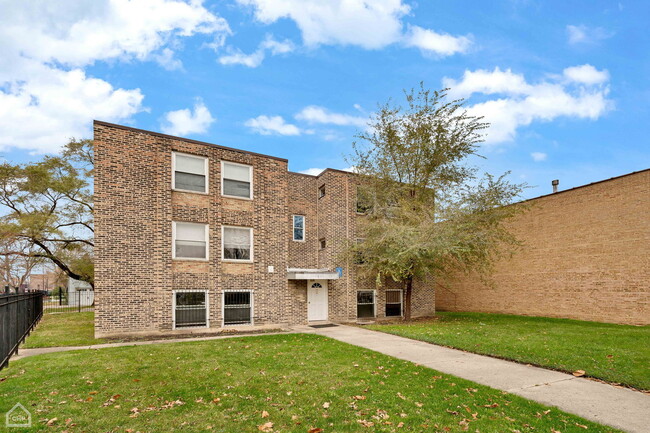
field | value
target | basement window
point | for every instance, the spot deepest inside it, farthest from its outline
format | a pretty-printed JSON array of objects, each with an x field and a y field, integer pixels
[
  {"x": 365, "y": 303},
  {"x": 237, "y": 308},
  {"x": 190, "y": 173},
  {"x": 393, "y": 303},
  {"x": 190, "y": 309},
  {"x": 190, "y": 241},
  {"x": 236, "y": 180}
]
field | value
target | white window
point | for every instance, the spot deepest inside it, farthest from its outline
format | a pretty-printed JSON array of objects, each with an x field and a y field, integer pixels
[
  {"x": 237, "y": 244},
  {"x": 299, "y": 228},
  {"x": 365, "y": 303},
  {"x": 236, "y": 180},
  {"x": 393, "y": 303},
  {"x": 238, "y": 307},
  {"x": 190, "y": 173},
  {"x": 190, "y": 241},
  {"x": 190, "y": 309}
]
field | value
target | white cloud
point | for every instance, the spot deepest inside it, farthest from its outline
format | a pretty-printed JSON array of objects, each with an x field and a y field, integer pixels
[
  {"x": 167, "y": 60},
  {"x": 80, "y": 32},
  {"x": 577, "y": 94},
  {"x": 52, "y": 105},
  {"x": 186, "y": 121},
  {"x": 253, "y": 60},
  {"x": 539, "y": 156},
  {"x": 437, "y": 43},
  {"x": 488, "y": 82},
  {"x": 312, "y": 171},
  {"x": 370, "y": 24},
  {"x": 270, "y": 125},
  {"x": 582, "y": 34},
  {"x": 46, "y": 96},
  {"x": 586, "y": 74},
  {"x": 315, "y": 114}
]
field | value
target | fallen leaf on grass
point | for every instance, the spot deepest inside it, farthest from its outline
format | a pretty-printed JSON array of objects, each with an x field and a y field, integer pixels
[
  {"x": 265, "y": 414},
  {"x": 315, "y": 430},
  {"x": 582, "y": 426},
  {"x": 418, "y": 404},
  {"x": 365, "y": 423},
  {"x": 579, "y": 373},
  {"x": 326, "y": 405},
  {"x": 265, "y": 427},
  {"x": 359, "y": 397},
  {"x": 52, "y": 421}
]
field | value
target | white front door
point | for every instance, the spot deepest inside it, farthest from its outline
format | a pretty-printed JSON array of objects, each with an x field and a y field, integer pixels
[{"x": 316, "y": 300}]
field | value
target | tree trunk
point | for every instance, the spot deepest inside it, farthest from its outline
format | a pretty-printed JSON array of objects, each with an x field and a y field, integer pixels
[{"x": 407, "y": 298}]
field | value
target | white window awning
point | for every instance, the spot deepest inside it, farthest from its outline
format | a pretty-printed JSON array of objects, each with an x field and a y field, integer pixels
[{"x": 311, "y": 274}]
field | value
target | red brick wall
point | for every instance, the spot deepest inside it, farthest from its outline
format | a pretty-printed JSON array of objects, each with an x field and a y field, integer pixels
[{"x": 586, "y": 256}]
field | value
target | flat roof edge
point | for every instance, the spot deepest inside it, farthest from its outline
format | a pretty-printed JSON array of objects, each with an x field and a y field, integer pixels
[
  {"x": 188, "y": 140},
  {"x": 585, "y": 185}
]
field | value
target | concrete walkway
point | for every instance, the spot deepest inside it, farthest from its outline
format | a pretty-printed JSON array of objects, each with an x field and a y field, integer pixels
[
  {"x": 622, "y": 408},
  {"x": 24, "y": 353}
]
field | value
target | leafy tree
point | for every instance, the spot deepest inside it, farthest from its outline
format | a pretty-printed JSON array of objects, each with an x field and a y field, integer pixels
[
  {"x": 48, "y": 206},
  {"x": 428, "y": 212}
]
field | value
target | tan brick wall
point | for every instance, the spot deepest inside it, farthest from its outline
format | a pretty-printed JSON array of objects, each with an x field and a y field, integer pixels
[
  {"x": 135, "y": 208},
  {"x": 302, "y": 197},
  {"x": 586, "y": 256}
]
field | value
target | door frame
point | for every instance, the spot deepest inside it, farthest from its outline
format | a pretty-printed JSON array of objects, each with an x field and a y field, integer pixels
[{"x": 325, "y": 286}]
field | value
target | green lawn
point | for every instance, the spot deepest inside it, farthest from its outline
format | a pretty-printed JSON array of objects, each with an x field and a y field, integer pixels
[
  {"x": 280, "y": 383},
  {"x": 63, "y": 329},
  {"x": 615, "y": 353}
]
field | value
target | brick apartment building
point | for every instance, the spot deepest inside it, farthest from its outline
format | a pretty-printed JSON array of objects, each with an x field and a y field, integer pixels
[{"x": 195, "y": 236}]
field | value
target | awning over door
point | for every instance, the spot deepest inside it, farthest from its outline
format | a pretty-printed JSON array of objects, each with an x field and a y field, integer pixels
[{"x": 311, "y": 274}]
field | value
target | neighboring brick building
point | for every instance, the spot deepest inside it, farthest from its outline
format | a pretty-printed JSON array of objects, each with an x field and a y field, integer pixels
[
  {"x": 191, "y": 235},
  {"x": 586, "y": 255}
]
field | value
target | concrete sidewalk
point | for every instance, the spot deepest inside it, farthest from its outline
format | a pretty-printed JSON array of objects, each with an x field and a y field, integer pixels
[
  {"x": 24, "y": 353},
  {"x": 622, "y": 408}
]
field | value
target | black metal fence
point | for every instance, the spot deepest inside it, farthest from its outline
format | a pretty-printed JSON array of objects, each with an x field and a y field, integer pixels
[
  {"x": 19, "y": 313},
  {"x": 61, "y": 301}
]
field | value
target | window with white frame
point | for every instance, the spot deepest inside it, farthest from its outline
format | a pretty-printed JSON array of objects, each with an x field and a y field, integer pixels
[
  {"x": 365, "y": 303},
  {"x": 299, "y": 228},
  {"x": 236, "y": 180},
  {"x": 237, "y": 243},
  {"x": 393, "y": 303},
  {"x": 190, "y": 173},
  {"x": 190, "y": 241},
  {"x": 237, "y": 308},
  {"x": 190, "y": 309}
]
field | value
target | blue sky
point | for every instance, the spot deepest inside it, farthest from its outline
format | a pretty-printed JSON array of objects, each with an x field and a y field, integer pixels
[{"x": 564, "y": 84}]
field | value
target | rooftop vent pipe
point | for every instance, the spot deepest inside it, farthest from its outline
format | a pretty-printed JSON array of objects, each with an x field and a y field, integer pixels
[{"x": 555, "y": 183}]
